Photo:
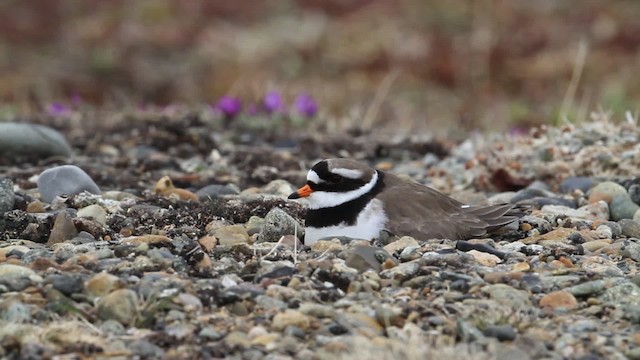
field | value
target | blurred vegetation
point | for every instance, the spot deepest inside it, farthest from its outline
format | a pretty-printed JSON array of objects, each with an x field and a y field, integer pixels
[{"x": 415, "y": 65}]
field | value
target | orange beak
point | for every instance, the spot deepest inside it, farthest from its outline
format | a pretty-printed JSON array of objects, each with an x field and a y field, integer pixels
[{"x": 302, "y": 192}]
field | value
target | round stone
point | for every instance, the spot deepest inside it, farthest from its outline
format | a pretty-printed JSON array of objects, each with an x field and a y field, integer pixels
[{"x": 64, "y": 180}]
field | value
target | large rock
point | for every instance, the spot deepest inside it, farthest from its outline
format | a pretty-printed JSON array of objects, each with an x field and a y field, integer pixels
[
  {"x": 32, "y": 140},
  {"x": 64, "y": 180},
  {"x": 7, "y": 196}
]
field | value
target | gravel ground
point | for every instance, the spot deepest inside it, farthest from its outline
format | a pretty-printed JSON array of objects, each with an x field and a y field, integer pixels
[{"x": 168, "y": 239}]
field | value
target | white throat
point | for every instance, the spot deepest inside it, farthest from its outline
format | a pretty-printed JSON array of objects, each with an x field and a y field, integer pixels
[{"x": 325, "y": 199}]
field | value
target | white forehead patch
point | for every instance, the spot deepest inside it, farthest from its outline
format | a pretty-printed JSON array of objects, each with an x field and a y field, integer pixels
[
  {"x": 313, "y": 177},
  {"x": 348, "y": 173}
]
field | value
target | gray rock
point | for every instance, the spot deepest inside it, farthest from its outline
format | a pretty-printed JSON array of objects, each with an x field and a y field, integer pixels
[
  {"x": 630, "y": 228},
  {"x": 68, "y": 284},
  {"x": 634, "y": 193},
  {"x": 32, "y": 140},
  {"x": 278, "y": 223},
  {"x": 622, "y": 207},
  {"x": 631, "y": 251},
  {"x": 616, "y": 228},
  {"x": 402, "y": 271},
  {"x": 217, "y": 190},
  {"x": 626, "y": 293},
  {"x": 64, "y": 180},
  {"x": 120, "y": 305},
  {"x": 508, "y": 296},
  {"x": 582, "y": 183},
  {"x": 7, "y": 196},
  {"x": 17, "y": 312},
  {"x": 500, "y": 332},
  {"x": 364, "y": 257}
]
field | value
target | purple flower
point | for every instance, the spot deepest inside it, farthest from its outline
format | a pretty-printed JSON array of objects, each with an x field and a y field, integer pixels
[
  {"x": 305, "y": 105},
  {"x": 229, "y": 106},
  {"x": 272, "y": 102},
  {"x": 58, "y": 109}
]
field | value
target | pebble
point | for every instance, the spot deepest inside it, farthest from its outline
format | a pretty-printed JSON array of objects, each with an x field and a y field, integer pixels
[
  {"x": 64, "y": 180},
  {"x": 277, "y": 224},
  {"x": 120, "y": 305},
  {"x": 215, "y": 191},
  {"x": 501, "y": 332},
  {"x": 94, "y": 212},
  {"x": 364, "y": 257},
  {"x": 17, "y": 278},
  {"x": 102, "y": 284},
  {"x": 508, "y": 296},
  {"x": 401, "y": 244},
  {"x": 630, "y": 228},
  {"x": 63, "y": 228},
  {"x": 631, "y": 251},
  {"x": 626, "y": 293},
  {"x": 559, "y": 299},
  {"x": 32, "y": 140},
  {"x": 582, "y": 183},
  {"x": 290, "y": 318},
  {"x": 231, "y": 235},
  {"x": 485, "y": 259},
  {"x": 7, "y": 196}
]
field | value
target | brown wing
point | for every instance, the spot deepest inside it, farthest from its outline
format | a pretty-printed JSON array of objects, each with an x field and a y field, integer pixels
[{"x": 424, "y": 213}]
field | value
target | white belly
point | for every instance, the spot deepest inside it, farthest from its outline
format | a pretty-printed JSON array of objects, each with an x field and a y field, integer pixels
[{"x": 371, "y": 220}]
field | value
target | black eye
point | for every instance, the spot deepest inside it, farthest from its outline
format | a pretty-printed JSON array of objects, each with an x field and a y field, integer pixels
[{"x": 335, "y": 179}]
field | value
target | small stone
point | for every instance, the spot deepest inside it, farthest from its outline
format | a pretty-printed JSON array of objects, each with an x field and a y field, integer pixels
[
  {"x": 237, "y": 340},
  {"x": 402, "y": 271},
  {"x": 500, "y": 332},
  {"x": 64, "y": 180},
  {"x": 364, "y": 257},
  {"x": 156, "y": 240},
  {"x": 216, "y": 190},
  {"x": 401, "y": 244},
  {"x": 63, "y": 229},
  {"x": 559, "y": 299},
  {"x": 630, "y": 228},
  {"x": 120, "y": 305},
  {"x": 210, "y": 333},
  {"x": 582, "y": 183},
  {"x": 94, "y": 212},
  {"x": 626, "y": 293},
  {"x": 587, "y": 288},
  {"x": 231, "y": 235},
  {"x": 278, "y": 187},
  {"x": 508, "y": 296},
  {"x": 254, "y": 225},
  {"x": 35, "y": 206},
  {"x": 102, "y": 284},
  {"x": 484, "y": 258},
  {"x": 595, "y": 245},
  {"x": 17, "y": 277},
  {"x": 7, "y": 196},
  {"x": 631, "y": 251},
  {"x": 389, "y": 316},
  {"x": 623, "y": 208},
  {"x": 208, "y": 242},
  {"x": 277, "y": 224},
  {"x": 32, "y": 140},
  {"x": 68, "y": 284},
  {"x": 521, "y": 267},
  {"x": 606, "y": 191},
  {"x": 290, "y": 318}
]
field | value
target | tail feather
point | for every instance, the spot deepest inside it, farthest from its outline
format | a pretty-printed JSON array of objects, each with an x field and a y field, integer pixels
[{"x": 499, "y": 215}]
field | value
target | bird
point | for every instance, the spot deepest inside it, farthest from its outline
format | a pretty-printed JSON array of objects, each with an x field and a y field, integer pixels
[{"x": 347, "y": 198}]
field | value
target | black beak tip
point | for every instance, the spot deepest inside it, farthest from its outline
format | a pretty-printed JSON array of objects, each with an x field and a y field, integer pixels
[{"x": 294, "y": 196}]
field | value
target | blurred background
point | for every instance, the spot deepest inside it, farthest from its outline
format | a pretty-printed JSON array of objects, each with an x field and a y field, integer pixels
[{"x": 410, "y": 64}]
